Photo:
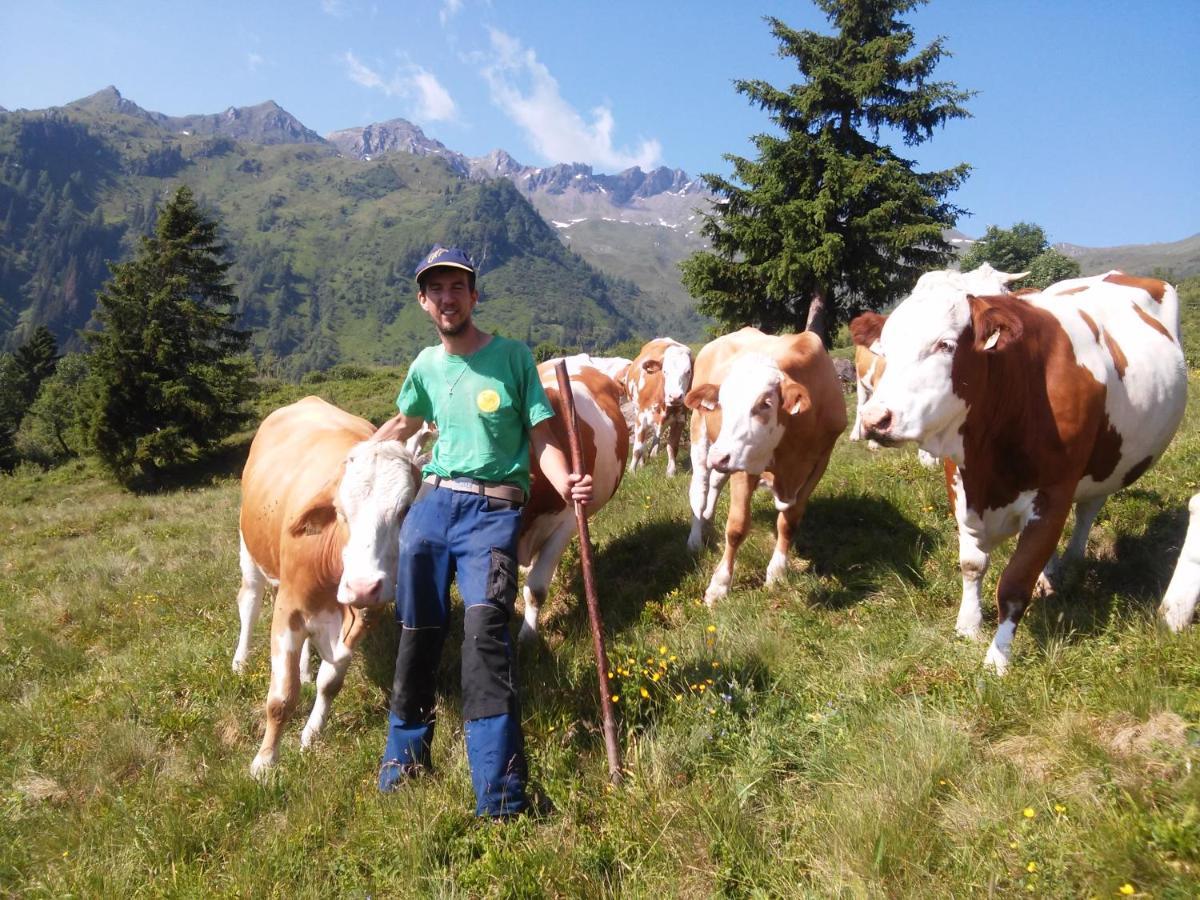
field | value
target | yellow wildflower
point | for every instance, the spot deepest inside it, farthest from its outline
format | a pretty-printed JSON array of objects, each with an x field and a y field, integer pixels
[
  {"x": 711, "y": 629},
  {"x": 645, "y": 693},
  {"x": 616, "y": 698},
  {"x": 1029, "y": 812},
  {"x": 1031, "y": 866},
  {"x": 662, "y": 650},
  {"x": 1126, "y": 889}
]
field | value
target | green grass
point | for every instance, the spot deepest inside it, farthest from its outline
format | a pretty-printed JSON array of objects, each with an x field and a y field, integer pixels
[{"x": 829, "y": 736}]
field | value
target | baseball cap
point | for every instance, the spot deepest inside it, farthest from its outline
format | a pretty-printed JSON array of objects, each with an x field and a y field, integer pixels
[{"x": 444, "y": 256}]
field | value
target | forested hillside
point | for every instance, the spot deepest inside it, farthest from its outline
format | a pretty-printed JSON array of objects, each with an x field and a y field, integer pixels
[{"x": 323, "y": 247}]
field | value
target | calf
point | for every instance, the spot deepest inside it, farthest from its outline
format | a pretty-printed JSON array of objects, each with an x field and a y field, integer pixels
[
  {"x": 762, "y": 405},
  {"x": 657, "y": 382},
  {"x": 1041, "y": 401},
  {"x": 547, "y": 522},
  {"x": 320, "y": 518}
]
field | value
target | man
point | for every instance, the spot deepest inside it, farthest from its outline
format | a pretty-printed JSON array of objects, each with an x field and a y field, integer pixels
[{"x": 483, "y": 394}]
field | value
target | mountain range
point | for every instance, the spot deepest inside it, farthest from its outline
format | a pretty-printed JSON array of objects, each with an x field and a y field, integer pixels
[{"x": 324, "y": 231}]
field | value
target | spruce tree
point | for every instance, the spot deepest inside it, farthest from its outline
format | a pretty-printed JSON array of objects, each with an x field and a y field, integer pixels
[
  {"x": 169, "y": 365},
  {"x": 829, "y": 218},
  {"x": 36, "y": 359}
]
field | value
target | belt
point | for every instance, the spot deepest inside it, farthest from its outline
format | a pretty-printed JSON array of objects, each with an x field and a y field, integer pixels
[{"x": 499, "y": 491}]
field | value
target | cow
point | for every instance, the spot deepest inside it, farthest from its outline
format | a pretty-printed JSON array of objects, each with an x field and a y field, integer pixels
[
  {"x": 656, "y": 384},
  {"x": 320, "y": 519},
  {"x": 1179, "y": 602},
  {"x": 615, "y": 367},
  {"x": 763, "y": 408},
  {"x": 1042, "y": 401},
  {"x": 547, "y": 521},
  {"x": 865, "y": 330}
]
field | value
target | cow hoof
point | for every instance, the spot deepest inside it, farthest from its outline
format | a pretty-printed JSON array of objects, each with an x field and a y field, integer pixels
[
  {"x": 695, "y": 544},
  {"x": 306, "y": 674},
  {"x": 1044, "y": 587},
  {"x": 239, "y": 665},
  {"x": 713, "y": 594},
  {"x": 527, "y": 635},
  {"x": 670, "y": 471},
  {"x": 261, "y": 768},
  {"x": 996, "y": 661},
  {"x": 971, "y": 632},
  {"x": 308, "y": 737},
  {"x": 1176, "y": 620}
]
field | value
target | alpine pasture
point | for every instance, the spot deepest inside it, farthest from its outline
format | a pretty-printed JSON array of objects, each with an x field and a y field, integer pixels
[{"x": 827, "y": 736}]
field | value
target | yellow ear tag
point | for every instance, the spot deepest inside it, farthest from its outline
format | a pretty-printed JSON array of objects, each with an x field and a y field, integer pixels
[{"x": 488, "y": 401}]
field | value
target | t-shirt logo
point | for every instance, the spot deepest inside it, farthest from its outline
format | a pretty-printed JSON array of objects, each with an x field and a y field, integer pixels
[{"x": 488, "y": 401}]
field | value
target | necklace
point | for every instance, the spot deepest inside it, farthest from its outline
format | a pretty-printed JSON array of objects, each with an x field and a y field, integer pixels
[{"x": 451, "y": 385}]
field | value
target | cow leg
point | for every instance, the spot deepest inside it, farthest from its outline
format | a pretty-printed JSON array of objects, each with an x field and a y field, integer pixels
[
  {"x": 249, "y": 601},
  {"x": 287, "y": 634},
  {"x": 306, "y": 675},
  {"x": 541, "y": 573},
  {"x": 863, "y": 397},
  {"x": 1085, "y": 516},
  {"x": 674, "y": 429},
  {"x": 1034, "y": 548},
  {"x": 335, "y": 660},
  {"x": 642, "y": 431},
  {"x": 1179, "y": 602},
  {"x": 973, "y": 561},
  {"x": 736, "y": 529},
  {"x": 698, "y": 490}
]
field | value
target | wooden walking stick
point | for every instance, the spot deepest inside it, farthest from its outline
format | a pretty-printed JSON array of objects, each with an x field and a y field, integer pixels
[{"x": 608, "y": 722}]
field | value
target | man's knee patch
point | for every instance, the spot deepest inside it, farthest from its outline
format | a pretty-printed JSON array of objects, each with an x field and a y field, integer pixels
[
  {"x": 488, "y": 677},
  {"x": 417, "y": 657}
]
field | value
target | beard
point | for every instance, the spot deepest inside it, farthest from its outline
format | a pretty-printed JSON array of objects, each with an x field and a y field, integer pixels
[{"x": 454, "y": 329}]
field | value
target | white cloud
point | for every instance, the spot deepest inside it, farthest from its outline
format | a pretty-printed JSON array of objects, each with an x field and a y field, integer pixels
[
  {"x": 450, "y": 8},
  {"x": 428, "y": 100},
  {"x": 336, "y": 8},
  {"x": 528, "y": 94},
  {"x": 253, "y": 61}
]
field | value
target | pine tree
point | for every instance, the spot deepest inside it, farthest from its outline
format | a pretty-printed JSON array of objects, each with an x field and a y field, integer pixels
[
  {"x": 36, "y": 359},
  {"x": 829, "y": 218},
  {"x": 169, "y": 368}
]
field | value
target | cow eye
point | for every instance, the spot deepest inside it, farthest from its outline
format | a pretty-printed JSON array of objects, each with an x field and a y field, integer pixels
[{"x": 944, "y": 346}]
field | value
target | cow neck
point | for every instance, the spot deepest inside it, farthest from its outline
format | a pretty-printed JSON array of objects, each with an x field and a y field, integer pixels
[
  {"x": 1016, "y": 399},
  {"x": 331, "y": 541}
]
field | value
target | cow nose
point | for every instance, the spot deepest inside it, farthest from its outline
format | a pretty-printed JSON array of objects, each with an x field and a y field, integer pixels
[
  {"x": 877, "y": 422},
  {"x": 674, "y": 400},
  {"x": 364, "y": 591},
  {"x": 720, "y": 462}
]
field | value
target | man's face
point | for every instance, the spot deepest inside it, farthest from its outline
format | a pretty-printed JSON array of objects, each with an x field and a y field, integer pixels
[{"x": 448, "y": 298}]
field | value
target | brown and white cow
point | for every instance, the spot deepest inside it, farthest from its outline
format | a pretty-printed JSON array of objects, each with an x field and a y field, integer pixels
[
  {"x": 1179, "y": 602},
  {"x": 1041, "y": 401},
  {"x": 866, "y": 328},
  {"x": 657, "y": 382},
  {"x": 320, "y": 518},
  {"x": 547, "y": 522},
  {"x": 615, "y": 367},
  {"x": 762, "y": 405}
]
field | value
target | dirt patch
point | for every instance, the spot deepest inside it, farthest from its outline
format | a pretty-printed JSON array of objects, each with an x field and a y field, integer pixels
[
  {"x": 35, "y": 789},
  {"x": 1158, "y": 744}
]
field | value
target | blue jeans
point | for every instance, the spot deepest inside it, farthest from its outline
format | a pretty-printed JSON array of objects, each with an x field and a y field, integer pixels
[{"x": 446, "y": 534}]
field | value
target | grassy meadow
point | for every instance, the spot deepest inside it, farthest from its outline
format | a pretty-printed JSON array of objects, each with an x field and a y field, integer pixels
[{"x": 826, "y": 737}]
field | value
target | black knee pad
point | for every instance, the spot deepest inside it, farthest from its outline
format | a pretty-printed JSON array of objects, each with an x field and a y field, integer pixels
[
  {"x": 417, "y": 657},
  {"x": 489, "y": 681}
]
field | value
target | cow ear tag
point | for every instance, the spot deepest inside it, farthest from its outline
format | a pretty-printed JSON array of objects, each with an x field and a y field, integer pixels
[{"x": 993, "y": 340}]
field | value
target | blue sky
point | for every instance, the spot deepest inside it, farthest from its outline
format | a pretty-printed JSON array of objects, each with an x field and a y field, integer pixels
[{"x": 1087, "y": 119}]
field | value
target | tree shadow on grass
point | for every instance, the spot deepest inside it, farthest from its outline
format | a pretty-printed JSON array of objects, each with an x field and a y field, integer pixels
[
  {"x": 639, "y": 567},
  {"x": 1129, "y": 580},
  {"x": 856, "y": 543}
]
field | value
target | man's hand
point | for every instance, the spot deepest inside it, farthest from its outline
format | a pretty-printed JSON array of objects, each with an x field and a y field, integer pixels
[
  {"x": 398, "y": 428},
  {"x": 579, "y": 489}
]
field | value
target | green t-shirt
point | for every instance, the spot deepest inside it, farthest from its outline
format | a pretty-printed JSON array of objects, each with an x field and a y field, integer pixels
[{"x": 484, "y": 406}]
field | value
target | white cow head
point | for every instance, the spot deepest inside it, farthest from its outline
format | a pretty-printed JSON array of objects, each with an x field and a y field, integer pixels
[
  {"x": 753, "y": 400},
  {"x": 926, "y": 340},
  {"x": 376, "y": 489},
  {"x": 677, "y": 374}
]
